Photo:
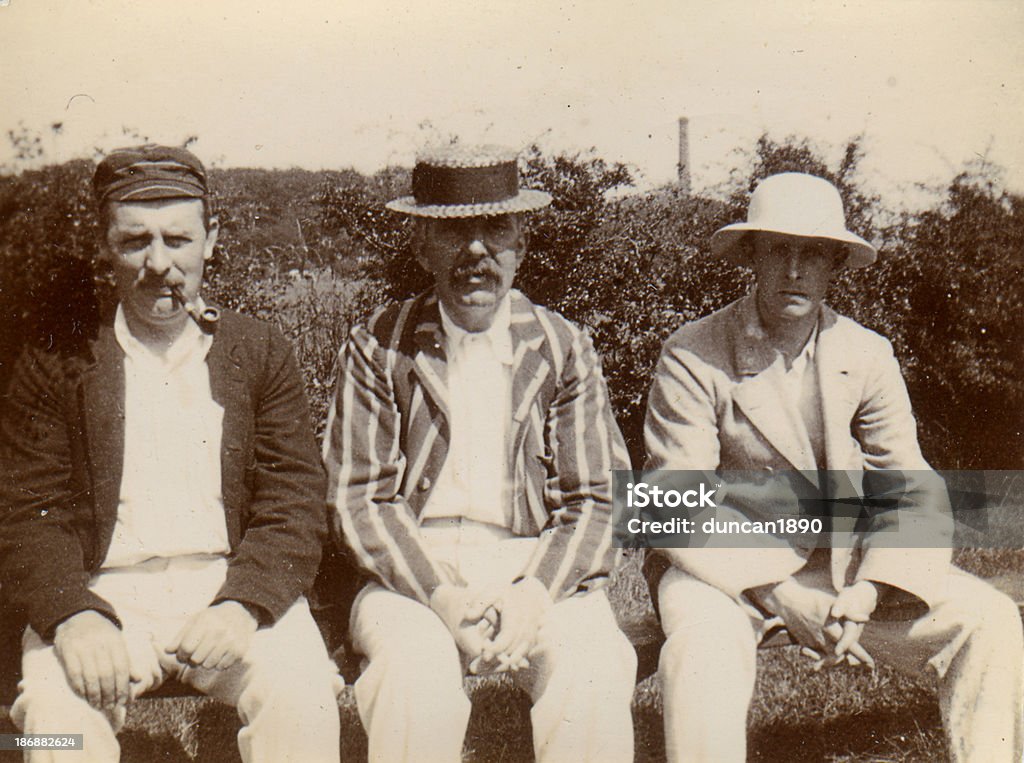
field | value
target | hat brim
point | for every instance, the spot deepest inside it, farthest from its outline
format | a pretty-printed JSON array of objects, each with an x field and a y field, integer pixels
[
  {"x": 527, "y": 200},
  {"x": 724, "y": 243}
]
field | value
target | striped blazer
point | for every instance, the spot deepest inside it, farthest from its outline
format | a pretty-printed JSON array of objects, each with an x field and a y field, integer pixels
[{"x": 387, "y": 439}]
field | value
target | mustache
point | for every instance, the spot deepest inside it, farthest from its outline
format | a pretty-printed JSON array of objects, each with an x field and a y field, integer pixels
[
  {"x": 154, "y": 282},
  {"x": 483, "y": 270}
]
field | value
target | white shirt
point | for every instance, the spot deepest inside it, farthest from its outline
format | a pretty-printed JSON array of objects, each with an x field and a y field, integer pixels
[
  {"x": 794, "y": 376},
  {"x": 800, "y": 385},
  {"x": 170, "y": 502},
  {"x": 474, "y": 482}
]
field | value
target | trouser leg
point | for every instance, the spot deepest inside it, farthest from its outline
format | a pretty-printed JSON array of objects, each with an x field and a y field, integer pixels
[
  {"x": 707, "y": 670},
  {"x": 581, "y": 680},
  {"x": 285, "y": 691},
  {"x": 410, "y": 696},
  {"x": 972, "y": 639},
  {"x": 46, "y": 704}
]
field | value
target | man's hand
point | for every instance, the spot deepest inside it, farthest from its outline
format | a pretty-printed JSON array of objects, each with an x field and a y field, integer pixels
[
  {"x": 463, "y": 611},
  {"x": 215, "y": 638},
  {"x": 803, "y": 609},
  {"x": 811, "y": 615},
  {"x": 852, "y": 608},
  {"x": 95, "y": 658},
  {"x": 522, "y": 608}
]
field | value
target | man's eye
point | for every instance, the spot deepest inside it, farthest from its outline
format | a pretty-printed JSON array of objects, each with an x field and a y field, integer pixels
[
  {"x": 498, "y": 227},
  {"x": 177, "y": 241},
  {"x": 134, "y": 244}
]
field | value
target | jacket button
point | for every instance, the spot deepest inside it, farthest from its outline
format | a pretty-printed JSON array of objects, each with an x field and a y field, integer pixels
[{"x": 425, "y": 483}]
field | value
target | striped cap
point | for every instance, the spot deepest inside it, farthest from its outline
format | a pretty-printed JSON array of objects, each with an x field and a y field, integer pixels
[{"x": 146, "y": 173}]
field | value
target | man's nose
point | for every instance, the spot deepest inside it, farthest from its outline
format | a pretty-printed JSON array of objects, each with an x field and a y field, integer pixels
[
  {"x": 158, "y": 259},
  {"x": 794, "y": 266},
  {"x": 477, "y": 247}
]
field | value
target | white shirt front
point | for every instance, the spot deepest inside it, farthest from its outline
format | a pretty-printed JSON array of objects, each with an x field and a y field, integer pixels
[
  {"x": 474, "y": 482},
  {"x": 800, "y": 384},
  {"x": 794, "y": 376},
  {"x": 170, "y": 501}
]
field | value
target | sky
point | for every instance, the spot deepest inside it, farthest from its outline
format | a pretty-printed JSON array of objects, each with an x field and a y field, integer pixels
[{"x": 350, "y": 83}]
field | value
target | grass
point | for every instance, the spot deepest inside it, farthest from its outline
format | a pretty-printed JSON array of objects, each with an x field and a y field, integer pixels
[{"x": 797, "y": 716}]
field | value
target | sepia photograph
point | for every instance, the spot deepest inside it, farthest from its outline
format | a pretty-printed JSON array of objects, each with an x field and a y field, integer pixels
[{"x": 489, "y": 381}]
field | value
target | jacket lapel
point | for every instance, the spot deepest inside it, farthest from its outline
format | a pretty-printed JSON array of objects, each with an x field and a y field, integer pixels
[
  {"x": 229, "y": 388},
  {"x": 835, "y": 377},
  {"x": 759, "y": 392},
  {"x": 530, "y": 368},
  {"x": 103, "y": 404},
  {"x": 431, "y": 362}
]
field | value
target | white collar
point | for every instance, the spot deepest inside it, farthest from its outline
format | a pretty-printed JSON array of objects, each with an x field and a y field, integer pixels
[
  {"x": 812, "y": 341},
  {"x": 189, "y": 343},
  {"x": 498, "y": 337}
]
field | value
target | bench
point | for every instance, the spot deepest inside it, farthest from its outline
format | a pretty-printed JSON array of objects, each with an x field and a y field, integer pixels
[{"x": 642, "y": 629}]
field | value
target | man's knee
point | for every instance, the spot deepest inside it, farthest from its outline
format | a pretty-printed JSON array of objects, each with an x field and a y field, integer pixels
[
  {"x": 46, "y": 698},
  {"x": 994, "y": 617},
  {"x": 295, "y": 680},
  {"x": 404, "y": 637},
  {"x": 983, "y": 612},
  {"x": 426, "y": 662},
  {"x": 582, "y": 635},
  {"x": 616, "y": 653},
  {"x": 705, "y": 628},
  {"x": 581, "y": 652}
]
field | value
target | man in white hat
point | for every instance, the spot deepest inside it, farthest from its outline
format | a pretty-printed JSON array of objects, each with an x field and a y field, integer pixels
[
  {"x": 469, "y": 450},
  {"x": 778, "y": 386}
]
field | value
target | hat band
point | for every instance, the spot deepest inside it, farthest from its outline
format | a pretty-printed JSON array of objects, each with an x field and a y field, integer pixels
[
  {"x": 464, "y": 185},
  {"x": 130, "y": 181}
]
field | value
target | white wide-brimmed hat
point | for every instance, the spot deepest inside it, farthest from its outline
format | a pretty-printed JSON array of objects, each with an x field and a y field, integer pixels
[
  {"x": 460, "y": 181},
  {"x": 795, "y": 204}
]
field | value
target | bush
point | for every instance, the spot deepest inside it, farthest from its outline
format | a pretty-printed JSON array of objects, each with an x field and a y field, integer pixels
[
  {"x": 314, "y": 252},
  {"x": 48, "y": 235}
]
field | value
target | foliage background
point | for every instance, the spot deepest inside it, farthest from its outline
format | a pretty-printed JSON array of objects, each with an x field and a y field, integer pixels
[{"x": 315, "y": 251}]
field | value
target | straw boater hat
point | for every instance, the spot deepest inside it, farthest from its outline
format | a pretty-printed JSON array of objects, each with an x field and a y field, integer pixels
[
  {"x": 797, "y": 205},
  {"x": 458, "y": 181}
]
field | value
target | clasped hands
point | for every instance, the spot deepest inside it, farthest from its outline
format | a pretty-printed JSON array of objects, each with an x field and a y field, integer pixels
[
  {"x": 817, "y": 619},
  {"x": 497, "y": 629},
  {"x": 95, "y": 656}
]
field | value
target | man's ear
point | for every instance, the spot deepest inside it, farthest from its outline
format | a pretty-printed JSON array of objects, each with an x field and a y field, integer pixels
[
  {"x": 522, "y": 238},
  {"x": 418, "y": 241},
  {"x": 522, "y": 243},
  {"x": 211, "y": 238},
  {"x": 840, "y": 258}
]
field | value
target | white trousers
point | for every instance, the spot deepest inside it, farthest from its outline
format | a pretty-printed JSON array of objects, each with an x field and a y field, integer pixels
[
  {"x": 411, "y": 699},
  {"x": 284, "y": 688},
  {"x": 971, "y": 640}
]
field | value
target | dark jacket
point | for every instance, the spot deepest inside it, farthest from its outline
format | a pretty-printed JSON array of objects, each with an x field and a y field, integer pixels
[{"x": 61, "y": 455}]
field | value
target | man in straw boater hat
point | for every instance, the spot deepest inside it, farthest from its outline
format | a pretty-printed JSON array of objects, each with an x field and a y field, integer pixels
[
  {"x": 777, "y": 386},
  {"x": 162, "y": 498},
  {"x": 469, "y": 451}
]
